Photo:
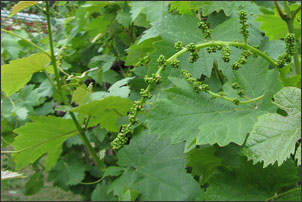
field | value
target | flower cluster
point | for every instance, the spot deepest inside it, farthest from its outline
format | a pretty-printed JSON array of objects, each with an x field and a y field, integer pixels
[
  {"x": 119, "y": 141},
  {"x": 244, "y": 27},
  {"x": 145, "y": 94},
  {"x": 226, "y": 54},
  {"x": 162, "y": 61},
  {"x": 193, "y": 52},
  {"x": 197, "y": 85},
  {"x": 241, "y": 61},
  {"x": 213, "y": 49},
  {"x": 205, "y": 29},
  {"x": 286, "y": 57},
  {"x": 239, "y": 89},
  {"x": 155, "y": 78},
  {"x": 178, "y": 46},
  {"x": 290, "y": 42},
  {"x": 236, "y": 101},
  {"x": 175, "y": 63}
]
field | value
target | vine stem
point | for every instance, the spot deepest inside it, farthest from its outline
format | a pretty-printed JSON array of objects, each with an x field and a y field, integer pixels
[
  {"x": 207, "y": 44},
  {"x": 289, "y": 20},
  {"x": 62, "y": 95},
  {"x": 283, "y": 193},
  {"x": 279, "y": 10},
  {"x": 231, "y": 100}
]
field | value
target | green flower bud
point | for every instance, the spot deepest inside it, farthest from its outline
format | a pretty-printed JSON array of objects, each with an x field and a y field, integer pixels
[
  {"x": 236, "y": 101},
  {"x": 205, "y": 29},
  {"x": 226, "y": 53},
  {"x": 161, "y": 60},
  {"x": 175, "y": 63},
  {"x": 236, "y": 86},
  {"x": 244, "y": 27},
  {"x": 191, "y": 47},
  {"x": 119, "y": 141},
  {"x": 193, "y": 57},
  {"x": 290, "y": 43},
  {"x": 145, "y": 94},
  {"x": 240, "y": 92},
  {"x": 221, "y": 93},
  {"x": 178, "y": 46}
]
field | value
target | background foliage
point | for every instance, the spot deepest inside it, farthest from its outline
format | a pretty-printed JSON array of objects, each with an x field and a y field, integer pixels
[{"x": 186, "y": 145}]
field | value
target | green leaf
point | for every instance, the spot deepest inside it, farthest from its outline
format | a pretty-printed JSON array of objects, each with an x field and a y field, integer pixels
[
  {"x": 99, "y": 25},
  {"x": 119, "y": 88},
  {"x": 204, "y": 163},
  {"x": 183, "y": 7},
  {"x": 129, "y": 194},
  {"x": 113, "y": 171},
  {"x": 207, "y": 7},
  {"x": 18, "y": 72},
  {"x": 228, "y": 7},
  {"x": 44, "y": 135},
  {"x": 100, "y": 193},
  {"x": 291, "y": 195},
  {"x": 175, "y": 28},
  {"x": 141, "y": 21},
  {"x": 106, "y": 111},
  {"x": 11, "y": 45},
  {"x": 224, "y": 33},
  {"x": 288, "y": 77},
  {"x": 274, "y": 27},
  {"x": 184, "y": 114},
  {"x": 274, "y": 137},
  {"x": 34, "y": 184},
  {"x": 154, "y": 10},
  {"x": 103, "y": 61},
  {"x": 137, "y": 51},
  {"x": 111, "y": 76},
  {"x": 5, "y": 125},
  {"x": 70, "y": 170},
  {"x": 21, "y": 5},
  {"x": 273, "y": 48},
  {"x": 82, "y": 94},
  {"x": 251, "y": 183},
  {"x": 155, "y": 168},
  {"x": 123, "y": 16}
]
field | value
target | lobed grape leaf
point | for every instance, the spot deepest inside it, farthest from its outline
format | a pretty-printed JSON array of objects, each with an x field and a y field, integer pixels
[
  {"x": 154, "y": 10},
  {"x": 18, "y": 72},
  {"x": 206, "y": 7},
  {"x": 274, "y": 27},
  {"x": 106, "y": 111},
  {"x": 292, "y": 195},
  {"x": 137, "y": 51},
  {"x": 185, "y": 114},
  {"x": 70, "y": 170},
  {"x": 251, "y": 183},
  {"x": 100, "y": 193},
  {"x": 274, "y": 136},
  {"x": 34, "y": 184},
  {"x": 155, "y": 168},
  {"x": 21, "y": 5},
  {"x": 82, "y": 94},
  {"x": 44, "y": 135},
  {"x": 175, "y": 28},
  {"x": 204, "y": 163}
]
